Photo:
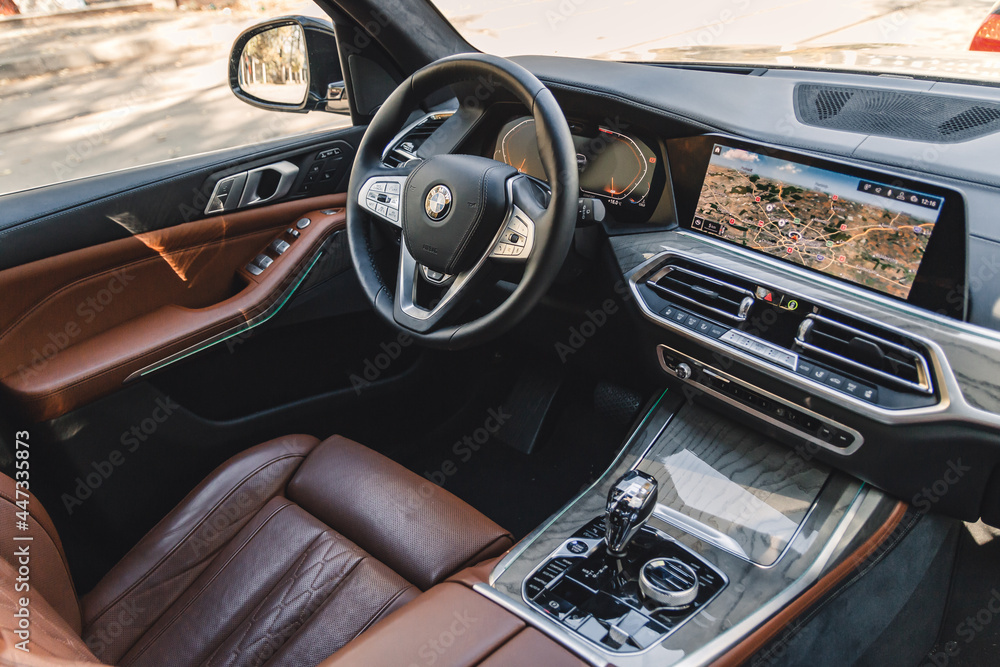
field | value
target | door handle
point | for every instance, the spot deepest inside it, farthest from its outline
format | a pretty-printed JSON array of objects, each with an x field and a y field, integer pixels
[{"x": 269, "y": 182}]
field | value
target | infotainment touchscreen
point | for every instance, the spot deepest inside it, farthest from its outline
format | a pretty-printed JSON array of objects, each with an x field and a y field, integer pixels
[{"x": 861, "y": 230}]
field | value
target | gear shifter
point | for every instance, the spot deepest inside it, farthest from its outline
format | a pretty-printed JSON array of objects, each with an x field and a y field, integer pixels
[{"x": 630, "y": 502}]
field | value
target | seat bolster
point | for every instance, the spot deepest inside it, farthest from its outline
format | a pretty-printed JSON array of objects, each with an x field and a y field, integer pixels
[
  {"x": 51, "y": 642},
  {"x": 172, "y": 555},
  {"x": 415, "y": 527},
  {"x": 49, "y": 570}
]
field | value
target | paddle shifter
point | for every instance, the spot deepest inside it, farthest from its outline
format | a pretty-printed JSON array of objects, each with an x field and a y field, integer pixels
[{"x": 630, "y": 502}]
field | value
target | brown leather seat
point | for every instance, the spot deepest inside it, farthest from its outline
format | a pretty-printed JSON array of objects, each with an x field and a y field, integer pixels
[{"x": 280, "y": 557}]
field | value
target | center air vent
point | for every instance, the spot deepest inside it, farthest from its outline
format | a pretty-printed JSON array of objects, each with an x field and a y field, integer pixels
[
  {"x": 893, "y": 113},
  {"x": 404, "y": 147},
  {"x": 711, "y": 294},
  {"x": 864, "y": 353}
]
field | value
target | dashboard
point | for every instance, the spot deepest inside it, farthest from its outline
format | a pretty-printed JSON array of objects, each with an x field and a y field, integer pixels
[
  {"x": 899, "y": 237},
  {"x": 837, "y": 290}
]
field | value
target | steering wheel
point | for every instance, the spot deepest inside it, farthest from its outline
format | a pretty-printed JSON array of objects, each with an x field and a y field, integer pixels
[{"x": 464, "y": 220}]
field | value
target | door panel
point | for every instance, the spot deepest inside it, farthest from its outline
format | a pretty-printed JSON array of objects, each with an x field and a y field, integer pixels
[
  {"x": 79, "y": 324},
  {"x": 40, "y": 223}
]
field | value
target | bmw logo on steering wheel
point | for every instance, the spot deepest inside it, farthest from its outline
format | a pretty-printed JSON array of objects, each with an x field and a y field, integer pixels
[{"x": 438, "y": 202}]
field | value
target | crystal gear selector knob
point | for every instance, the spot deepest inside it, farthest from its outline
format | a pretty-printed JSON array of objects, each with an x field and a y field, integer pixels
[{"x": 630, "y": 502}]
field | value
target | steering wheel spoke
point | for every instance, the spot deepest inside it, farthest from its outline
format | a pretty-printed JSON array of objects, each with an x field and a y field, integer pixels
[{"x": 460, "y": 289}]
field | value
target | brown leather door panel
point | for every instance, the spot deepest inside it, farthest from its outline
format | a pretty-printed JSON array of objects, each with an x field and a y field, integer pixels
[{"x": 75, "y": 326}]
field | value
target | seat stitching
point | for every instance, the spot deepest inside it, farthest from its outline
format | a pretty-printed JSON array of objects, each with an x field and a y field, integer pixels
[
  {"x": 340, "y": 583},
  {"x": 205, "y": 586},
  {"x": 277, "y": 583},
  {"x": 347, "y": 575},
  {"x": 183, "y": 539}
]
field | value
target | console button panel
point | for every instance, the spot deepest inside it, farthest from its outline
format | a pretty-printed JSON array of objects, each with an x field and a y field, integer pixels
[
  {"x": 849, "y": 359},
  {"x": 784, "y": 414},
  {"x": 598, "y": 596}
]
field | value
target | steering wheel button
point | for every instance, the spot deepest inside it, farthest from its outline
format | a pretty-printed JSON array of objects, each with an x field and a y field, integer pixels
[
  {"x": 379, "y": 187},
  {"x": 392, "y": 188},
  {"x": 393, "y": 214},
  {"x": 516, "y": 225},
  {"x": 382, "y": 210}
]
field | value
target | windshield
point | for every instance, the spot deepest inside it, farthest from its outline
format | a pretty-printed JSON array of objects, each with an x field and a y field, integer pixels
[{"x": 931, "y": 38}]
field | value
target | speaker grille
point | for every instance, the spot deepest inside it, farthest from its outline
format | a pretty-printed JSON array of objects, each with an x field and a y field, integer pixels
[{"x": 889, "y": 113}]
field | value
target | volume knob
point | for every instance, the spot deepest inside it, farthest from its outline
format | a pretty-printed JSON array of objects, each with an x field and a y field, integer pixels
[{"x": 669, "y": 582}]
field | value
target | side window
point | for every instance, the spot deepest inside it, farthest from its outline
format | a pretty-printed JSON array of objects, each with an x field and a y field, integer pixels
[{"x": 85, "y": 90}]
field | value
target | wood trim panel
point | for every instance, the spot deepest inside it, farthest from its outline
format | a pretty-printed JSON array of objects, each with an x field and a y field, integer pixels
[{"x": 743, "y": 651}]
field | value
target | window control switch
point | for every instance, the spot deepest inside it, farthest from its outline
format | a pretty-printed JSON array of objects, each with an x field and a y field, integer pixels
[{"x": 279, "y": 246}]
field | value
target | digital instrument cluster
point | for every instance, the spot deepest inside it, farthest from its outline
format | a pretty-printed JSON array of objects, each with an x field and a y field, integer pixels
[{"x": 617, "y": 168}]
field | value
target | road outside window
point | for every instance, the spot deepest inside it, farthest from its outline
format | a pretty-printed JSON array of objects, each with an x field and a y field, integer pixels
[{"x": 93, "y": 86}]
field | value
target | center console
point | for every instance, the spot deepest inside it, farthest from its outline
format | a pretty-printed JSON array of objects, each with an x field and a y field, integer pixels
[
  {"x": 622, "y": 603},
  {"x": 701, "y": 531}
]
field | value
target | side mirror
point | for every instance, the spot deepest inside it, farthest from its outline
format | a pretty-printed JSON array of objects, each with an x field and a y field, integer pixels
[{"x": 289, "y": 64}]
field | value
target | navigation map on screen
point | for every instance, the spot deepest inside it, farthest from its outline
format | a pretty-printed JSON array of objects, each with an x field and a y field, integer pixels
[{"x": 869, "y": 233}]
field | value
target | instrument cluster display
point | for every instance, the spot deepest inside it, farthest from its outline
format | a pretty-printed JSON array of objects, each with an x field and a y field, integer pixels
[{"x": 620, "y": 169}]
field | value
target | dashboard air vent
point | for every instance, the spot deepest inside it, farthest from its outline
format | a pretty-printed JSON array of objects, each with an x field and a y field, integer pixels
[
  {"x": 894, "y": 113},
  {"x": 694, "y": 287},
  {"x": 864, "y": 353},
  {"x": 405, "y": 145}
]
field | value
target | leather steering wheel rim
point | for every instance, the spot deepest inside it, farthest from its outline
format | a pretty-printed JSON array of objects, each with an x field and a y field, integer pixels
[{"x": 554, "y": 224}]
